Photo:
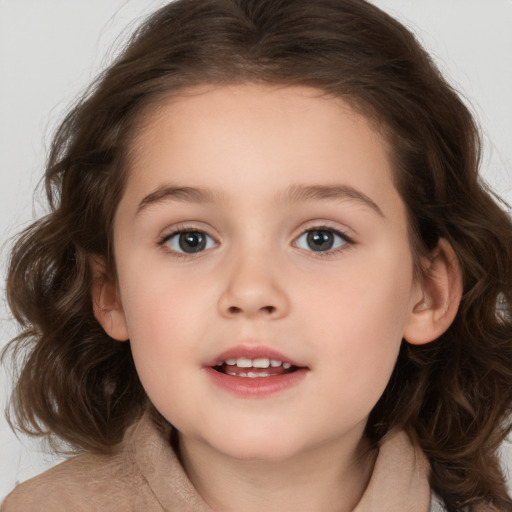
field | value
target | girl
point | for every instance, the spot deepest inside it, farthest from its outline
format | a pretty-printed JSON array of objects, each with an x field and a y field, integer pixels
[{"x": 270, "y": 278}]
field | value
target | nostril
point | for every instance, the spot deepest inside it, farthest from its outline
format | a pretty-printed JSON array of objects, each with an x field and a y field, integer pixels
[{"x": 235, "y": 310}]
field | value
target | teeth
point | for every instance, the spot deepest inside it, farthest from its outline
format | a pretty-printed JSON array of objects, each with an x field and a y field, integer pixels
[
  {"x": 261, "y": 362},
  {"x": 250, "y": 375}
]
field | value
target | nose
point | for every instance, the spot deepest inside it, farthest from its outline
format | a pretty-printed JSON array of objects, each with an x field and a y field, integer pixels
[{"x": 253, "y": 289}]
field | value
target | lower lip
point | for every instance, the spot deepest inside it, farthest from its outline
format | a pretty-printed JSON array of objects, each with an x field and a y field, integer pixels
[{"x": 256, "y": 387}]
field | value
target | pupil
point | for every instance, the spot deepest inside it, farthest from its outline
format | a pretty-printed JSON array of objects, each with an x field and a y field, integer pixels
[
  {"x": 192, "y": 241},
  {"x": 320, "y": 240}
]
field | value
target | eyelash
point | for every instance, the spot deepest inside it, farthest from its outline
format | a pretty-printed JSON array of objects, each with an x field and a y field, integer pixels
[
  {"x": 348, "y": 241},
  {"x": 182, "y": 229}
]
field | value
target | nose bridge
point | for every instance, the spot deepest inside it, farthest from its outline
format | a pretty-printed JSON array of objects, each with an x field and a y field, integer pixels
[{"x": 253, "y": 285}]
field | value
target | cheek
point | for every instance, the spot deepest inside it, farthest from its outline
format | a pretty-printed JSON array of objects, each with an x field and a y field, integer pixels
[
  {"x": 358, "y": 318},
  {"x": 165, "y": 334},
  {"x": 370, "y": 292},
  {"x": 158, "y": 302},
  {"x": 161, "y": 314}
]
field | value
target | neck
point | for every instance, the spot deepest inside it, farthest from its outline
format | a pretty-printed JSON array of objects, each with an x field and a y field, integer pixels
[{"x": 328, "y": 478}]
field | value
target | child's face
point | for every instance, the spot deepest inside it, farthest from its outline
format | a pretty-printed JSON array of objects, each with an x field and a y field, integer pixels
[{"x": 294, "y": 248}]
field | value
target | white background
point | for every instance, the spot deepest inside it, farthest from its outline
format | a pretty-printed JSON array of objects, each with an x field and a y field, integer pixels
[{"x": 51, "y": 49}]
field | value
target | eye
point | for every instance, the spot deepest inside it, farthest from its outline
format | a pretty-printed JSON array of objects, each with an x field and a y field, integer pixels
[
  {"x": 321, "y": 240},
  {"x": 189, "y": 242}
]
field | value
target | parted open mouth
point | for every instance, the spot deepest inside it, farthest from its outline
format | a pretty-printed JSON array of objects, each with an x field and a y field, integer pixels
[
  {"x": 254, "y": 371},
  {"x": 253, "y": 361},
  {"x": 253, "y": 368}
]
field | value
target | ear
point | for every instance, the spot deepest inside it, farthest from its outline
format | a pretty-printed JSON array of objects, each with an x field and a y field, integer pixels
[
  {"x": 441, "y": 284},
  {"x": 106, "y": 302}
]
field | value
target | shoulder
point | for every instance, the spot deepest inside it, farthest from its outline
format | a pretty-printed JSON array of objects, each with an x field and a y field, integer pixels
[
  {"x": 85, "y": 482},
  {"x": 118, "y": 482}
]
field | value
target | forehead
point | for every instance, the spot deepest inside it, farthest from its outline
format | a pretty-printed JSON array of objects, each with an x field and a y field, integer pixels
[{"x": 256, "y": 139}]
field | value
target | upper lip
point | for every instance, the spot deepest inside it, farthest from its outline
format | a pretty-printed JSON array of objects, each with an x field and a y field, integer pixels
[{"x": 251, "y": 352}]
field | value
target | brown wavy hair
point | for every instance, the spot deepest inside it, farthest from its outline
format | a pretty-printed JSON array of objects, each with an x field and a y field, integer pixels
[{"x": 453, "y": 396}]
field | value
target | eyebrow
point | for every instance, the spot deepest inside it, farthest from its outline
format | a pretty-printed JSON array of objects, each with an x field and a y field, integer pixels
[
  {"x": 293, "y": 194},
  {"x": 300, "y": 193},
  {"x": 174, "y": 193}
]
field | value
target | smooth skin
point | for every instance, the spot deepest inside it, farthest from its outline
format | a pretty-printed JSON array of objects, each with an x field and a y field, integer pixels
[{"x": 260, "y": 173}]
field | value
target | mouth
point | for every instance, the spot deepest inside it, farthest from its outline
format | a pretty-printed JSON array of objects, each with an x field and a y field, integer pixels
[
  {"x": 252, "y": 371},
  {"x": 254, "y": 368}
]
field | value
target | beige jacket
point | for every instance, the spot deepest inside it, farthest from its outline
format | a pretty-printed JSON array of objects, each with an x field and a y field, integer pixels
[{"x": 146, "y": 476}]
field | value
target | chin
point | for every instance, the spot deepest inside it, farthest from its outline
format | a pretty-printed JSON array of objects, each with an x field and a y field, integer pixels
[{"x": 257, "y": 446}]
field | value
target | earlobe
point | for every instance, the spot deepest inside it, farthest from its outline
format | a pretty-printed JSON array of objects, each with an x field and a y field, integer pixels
[
  {"x": 106, "y": 303},
  {"x": 441, "y": 284}
]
